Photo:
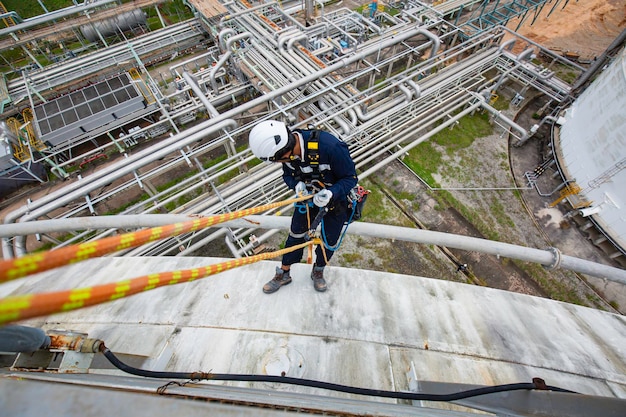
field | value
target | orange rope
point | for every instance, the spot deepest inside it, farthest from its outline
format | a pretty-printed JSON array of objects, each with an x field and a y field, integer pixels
[
  {"x": 30, "y": 264},
  {"x": 21, "y": 307}
]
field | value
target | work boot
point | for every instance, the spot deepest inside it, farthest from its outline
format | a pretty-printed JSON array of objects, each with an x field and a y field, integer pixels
[
  {"x": 317, "y": 275},
  {"x": 281, "y": 278}
]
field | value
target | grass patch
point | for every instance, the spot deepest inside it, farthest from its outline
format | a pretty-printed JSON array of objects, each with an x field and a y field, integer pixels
[
  {"x": 555, "y": 289},
  {"x": 352, "y": 257},
  {"x": 32, "y": 8},
  {"x": 463, "y": 134},
  {"x": 375, "y": 207},
  {"x": 565, "y": 73},
  {"x": 404, "y": 195},
  {"x": 500, "y": 213},
  {"x": 424, "y": 160}
]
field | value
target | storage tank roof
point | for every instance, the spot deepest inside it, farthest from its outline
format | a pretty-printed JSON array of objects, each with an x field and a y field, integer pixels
[
  {"x": 369, "y": 329},
  {"x": 593, "y": 147}
]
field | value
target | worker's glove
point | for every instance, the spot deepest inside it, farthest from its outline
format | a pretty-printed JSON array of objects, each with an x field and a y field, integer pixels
[
  {"x": 322, "y": 198},
  {"x": 301, "y": 189}
]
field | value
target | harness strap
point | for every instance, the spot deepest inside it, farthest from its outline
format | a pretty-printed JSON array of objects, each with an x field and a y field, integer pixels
[
  {"x": 312, "y": 156},
  {"x": 309, "y": 168}
]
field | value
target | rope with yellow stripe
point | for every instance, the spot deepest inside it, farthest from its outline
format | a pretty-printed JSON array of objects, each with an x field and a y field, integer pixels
[
  {"x": 21, "y": 307},
  {"x": 30, "y": 264}
]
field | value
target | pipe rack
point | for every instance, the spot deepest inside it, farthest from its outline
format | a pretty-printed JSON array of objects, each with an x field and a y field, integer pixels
[{"x": 379, "y": 88}]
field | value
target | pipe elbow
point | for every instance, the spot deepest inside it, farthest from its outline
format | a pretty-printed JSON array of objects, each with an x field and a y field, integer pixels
[
  {"x": 526, "y": 54},
  {"x": 222, "y": 37},
  {"x": 508, "y": 45},
  {"x": 408, "y": 93},
  {"x": 295, "y": 39},
  {"x": 415, "y": 87},
  {"x": 233, "y": 39}
]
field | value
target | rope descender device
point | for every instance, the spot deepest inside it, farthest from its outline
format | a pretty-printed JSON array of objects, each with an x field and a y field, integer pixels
[{"x": 316, "y": 222}]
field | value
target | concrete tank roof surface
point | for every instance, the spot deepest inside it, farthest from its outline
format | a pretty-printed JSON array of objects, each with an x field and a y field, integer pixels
[{"x": 368, "y": 330}]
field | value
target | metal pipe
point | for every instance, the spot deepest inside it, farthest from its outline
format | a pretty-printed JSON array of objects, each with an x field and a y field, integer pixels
[
  {"x": 390, "y": 105},
  {"x": 534, "y": 128},
  {"x": 225, "y": 58},
  {"x": 199, "y": 93},
  {"x": 201, "y": 243},
  {"x": 435, "y": 40},
  {"x": 550, "y": 258},
  {"x": 231, "y": 246},
  {"x": 192, "y": 133},
  {"x": 345, "y": 128},
  {"x": 448, "y": 105},
  {"x": 524, "y": 55},
  {"x": 505, "y": 119},
  {"x": 108, "y": 174},
  {"x": 54, "y": 15},
  {"x": 508, "y": 45},
  {"x": 421, "y": 139},
  {"x": 229, "y": 16}
]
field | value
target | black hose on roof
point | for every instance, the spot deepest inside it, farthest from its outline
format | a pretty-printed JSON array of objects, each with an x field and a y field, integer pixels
[{"x": 537, "y": 383}]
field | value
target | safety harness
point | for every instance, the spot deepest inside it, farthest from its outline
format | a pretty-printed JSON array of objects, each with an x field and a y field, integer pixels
[{"x": 310, "y": 174}]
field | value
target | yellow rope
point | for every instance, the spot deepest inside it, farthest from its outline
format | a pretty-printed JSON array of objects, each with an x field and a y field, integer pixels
[
  {"x": 21, "y": 307},
  {"x": 30, "y": 264}
]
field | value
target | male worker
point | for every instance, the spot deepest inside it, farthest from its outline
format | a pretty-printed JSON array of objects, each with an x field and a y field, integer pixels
[{"x": 313, "y": 161}]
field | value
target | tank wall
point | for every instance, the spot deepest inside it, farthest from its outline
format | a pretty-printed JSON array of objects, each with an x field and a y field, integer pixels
[{"x": 593, "y": 145}]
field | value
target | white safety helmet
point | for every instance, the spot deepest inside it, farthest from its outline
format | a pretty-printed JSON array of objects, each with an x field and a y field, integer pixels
[{"x": 270, "y": 139}]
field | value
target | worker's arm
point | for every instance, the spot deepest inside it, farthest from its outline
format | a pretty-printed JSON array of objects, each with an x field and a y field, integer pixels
[{"x": 343, "y": 169}]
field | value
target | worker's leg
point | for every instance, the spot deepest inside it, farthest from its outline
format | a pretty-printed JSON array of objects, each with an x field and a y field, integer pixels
[
  {"x": 299, "y": 228},
  {"x": 332, "y": 226},
  {"x": 300, "y": 224}
]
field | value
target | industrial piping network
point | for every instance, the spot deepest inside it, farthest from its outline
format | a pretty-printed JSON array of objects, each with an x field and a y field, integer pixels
[
  {"x": 55, "y": 75},
  {"x": 427, "y": 91}
]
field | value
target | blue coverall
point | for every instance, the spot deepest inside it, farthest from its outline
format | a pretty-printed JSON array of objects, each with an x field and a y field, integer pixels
[{"x": 338, "y": 174}]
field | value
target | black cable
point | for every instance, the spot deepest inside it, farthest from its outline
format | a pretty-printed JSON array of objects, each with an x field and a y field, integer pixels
[{"x": 197, "y": 376}]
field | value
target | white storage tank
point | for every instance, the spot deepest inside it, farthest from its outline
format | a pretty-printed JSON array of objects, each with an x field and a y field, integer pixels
[{"x": 593, "y": 148}]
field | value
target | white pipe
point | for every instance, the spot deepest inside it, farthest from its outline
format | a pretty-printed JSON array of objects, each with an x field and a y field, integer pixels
[
  {"x": 483, "y": 103},
  {"x": 507, "y": 45},
  {"x": 416, "y": 87},
  {"x": 222, "y": 37},
  {"x": 363, "y": 116},
  {"x": 204, "y": 128},
  {"x": 191, "y": 82},
  {"x": 203, "y": 242},
  {"x": 294, "y": 39},
  {"x": 550, "y": 257},
  {"x": 231, "y": 246},
  {"x": 106, "y": 175},
  {"x": 524, "y": 55},
  {"x": 345, "y": 128},
  {"x": 285, "y": 36},
  {"x": 246, "y": 11},
  {"x": 54, "y": 15},
  {"x": 421, "y": 139},
  {"x": 436, "y": 42},
  {"x": 225, "y": 58}
]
